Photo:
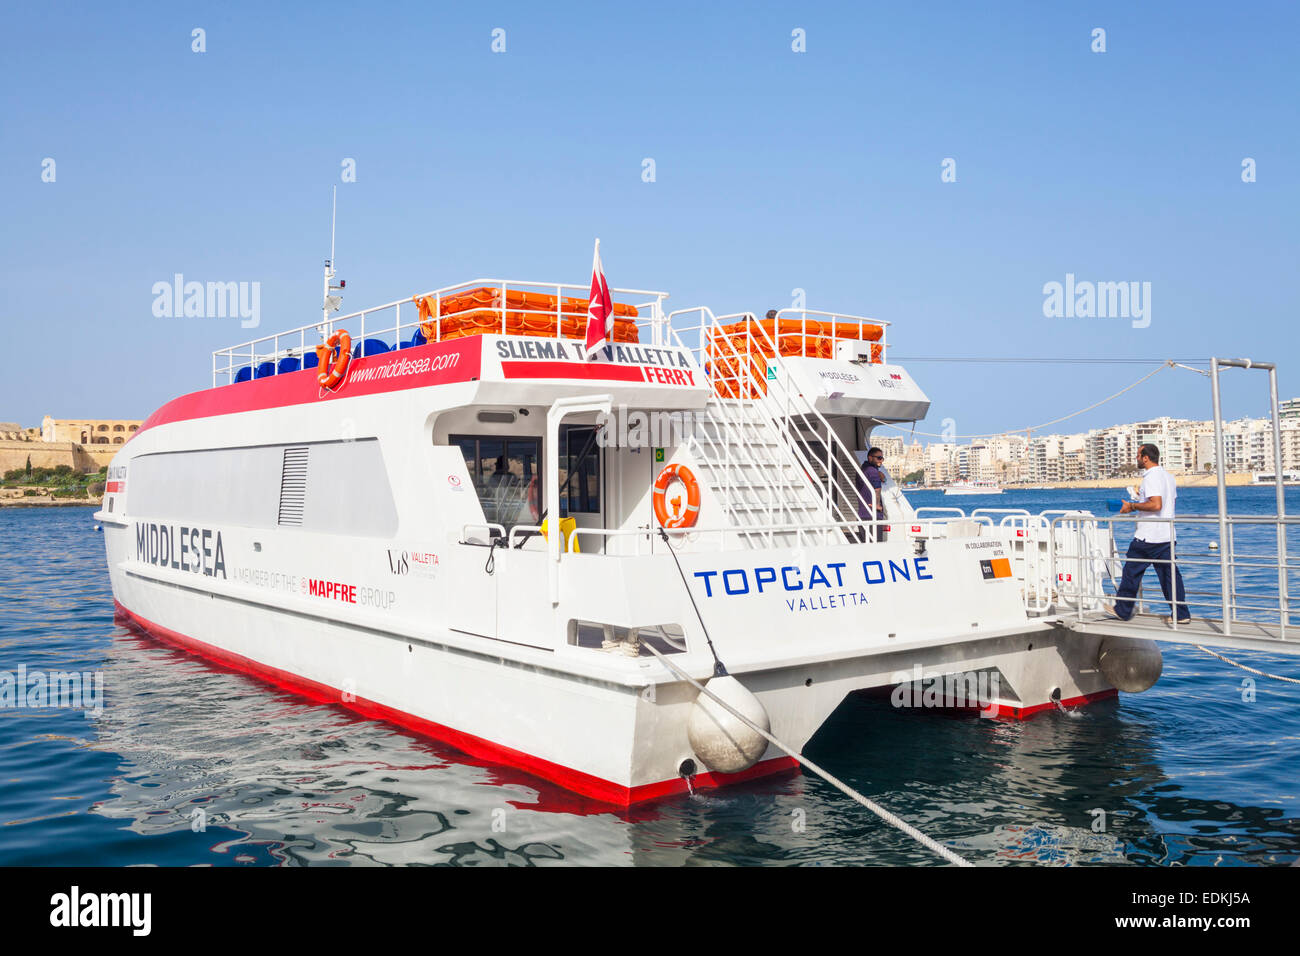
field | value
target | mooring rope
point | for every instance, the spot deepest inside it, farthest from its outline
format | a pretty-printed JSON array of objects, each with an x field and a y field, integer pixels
[
  {"x": 1289, "y": 680},
  {"x": 1169, "y": 363},
  {"x": 834, "y": 781},
  {"x": 719, "y": 669}
]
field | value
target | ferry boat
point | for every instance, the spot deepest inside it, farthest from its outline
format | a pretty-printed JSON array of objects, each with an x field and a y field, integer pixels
[
  {"x": 1289, "y": 477},
  {"x": 978, "y": 486},
  {"x": 444, "y": 512}
]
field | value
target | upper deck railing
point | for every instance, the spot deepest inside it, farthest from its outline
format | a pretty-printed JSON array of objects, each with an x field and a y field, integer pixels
[
  {"x": 734, "y": 349},
  {"x": 546, "y": 309},
  {"x": 398, "y": 325}
]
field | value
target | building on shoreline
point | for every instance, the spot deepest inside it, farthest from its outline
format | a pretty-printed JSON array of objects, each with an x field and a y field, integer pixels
[
  {"x": 84, "y": 444},
  {"x": 1186, "y": 448},
  {"x": 88, "y": 431}
]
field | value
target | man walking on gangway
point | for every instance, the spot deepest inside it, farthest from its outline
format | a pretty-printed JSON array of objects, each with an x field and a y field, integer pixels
[{"x": 1153, "y": 540}]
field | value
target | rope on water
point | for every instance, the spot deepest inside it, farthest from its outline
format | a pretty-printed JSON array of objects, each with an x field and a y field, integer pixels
[
  {"x": 844, "y": 788},
  {"x": 1289, "y": 680}
]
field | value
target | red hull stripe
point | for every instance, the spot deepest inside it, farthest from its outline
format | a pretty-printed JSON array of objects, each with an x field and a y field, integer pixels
[
  {"x": 1022, "y": 713},
  {"x": 459, "y": 360},
  {"x": 575, "y": 780},
  {"x": 599, "y": 371}
]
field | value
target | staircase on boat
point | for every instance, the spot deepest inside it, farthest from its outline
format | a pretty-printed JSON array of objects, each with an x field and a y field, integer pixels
[{"x": 775, "y": 462}]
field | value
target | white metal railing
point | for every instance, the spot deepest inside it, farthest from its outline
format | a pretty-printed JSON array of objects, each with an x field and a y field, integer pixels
[
  {"x": 745, "y": 368},
  {"x": 801, "y": 534},
  {"x": 1235, "y": 566},
  {"x": 729, "y": 448},
  {"x": 842, "y": 328},
  {"x": 395, "y": 324},
  {"x": 1033, "y": 542},
  {"x": 1216, "y": 367}
]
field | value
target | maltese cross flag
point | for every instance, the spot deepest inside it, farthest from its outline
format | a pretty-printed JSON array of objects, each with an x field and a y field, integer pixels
[{"x": 600, "y": 309}]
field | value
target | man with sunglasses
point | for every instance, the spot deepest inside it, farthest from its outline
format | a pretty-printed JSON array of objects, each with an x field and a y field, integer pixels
[
  {"x": 1153, "y": 540},
  {"x": 872, "y": 505}
]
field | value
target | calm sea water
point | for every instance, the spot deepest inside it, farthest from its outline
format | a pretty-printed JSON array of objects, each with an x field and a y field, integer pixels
[{"x": 190, "y": 764}]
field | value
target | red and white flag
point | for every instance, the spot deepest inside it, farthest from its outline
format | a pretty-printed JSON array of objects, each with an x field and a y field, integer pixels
[{"x": 600, "y": 309}]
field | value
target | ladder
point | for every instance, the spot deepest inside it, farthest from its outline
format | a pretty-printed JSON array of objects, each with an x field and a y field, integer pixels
[
  {"x": 772, "y": 455},
  {"x": 745, "y": 459}
]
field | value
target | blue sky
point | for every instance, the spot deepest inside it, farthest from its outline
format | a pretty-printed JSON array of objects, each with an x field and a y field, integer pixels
[{"x": 775, "y": 170}]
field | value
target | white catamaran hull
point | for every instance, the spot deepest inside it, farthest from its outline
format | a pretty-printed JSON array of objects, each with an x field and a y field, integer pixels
[{"x": 336, "y": 542}]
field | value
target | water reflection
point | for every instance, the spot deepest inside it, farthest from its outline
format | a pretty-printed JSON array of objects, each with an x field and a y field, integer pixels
[
  {"x": 282, "y": 780},
  {"x": 260, "y": 774},
  {"x": 190, "y": 764}
]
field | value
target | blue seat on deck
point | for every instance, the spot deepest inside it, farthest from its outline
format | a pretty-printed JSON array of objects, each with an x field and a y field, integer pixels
[
  {"x": 415, "y": 340},
  {"x": 370, "y": 347},
  {"x": 244, "y": 374},
  {"x": 264, "y": 370},
  {"x": 289, "y": 364},
  {"x": 310, "y": 360}
]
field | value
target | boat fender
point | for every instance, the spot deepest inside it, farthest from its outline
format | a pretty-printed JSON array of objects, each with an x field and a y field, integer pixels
[
  {"x": 721, "y": 742},
  {"x": 330, "y": 375},
  {"x": 1132, "y": 664},
  {"x": 686, "y": 517}
]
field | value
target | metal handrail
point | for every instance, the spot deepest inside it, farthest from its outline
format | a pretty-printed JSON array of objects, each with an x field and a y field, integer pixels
[
  {"x": 235, "y": 354},
  {"x": 836, "y": 318},
  {"x": 1227, "y": 562},
  {"x": 832, "y": 531},
  {"x": 835, "y": 532},
  {"x": 731, "y": 414},
  {"x": 960, "y": 513},
  {"x": 783, "y": 402}
]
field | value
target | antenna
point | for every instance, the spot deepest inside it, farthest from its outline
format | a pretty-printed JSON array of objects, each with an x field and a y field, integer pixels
[{"x": 332, "y": 302}]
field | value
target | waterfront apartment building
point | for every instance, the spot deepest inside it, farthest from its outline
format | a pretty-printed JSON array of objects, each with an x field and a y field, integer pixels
[{"x": 1186, "y": 447}]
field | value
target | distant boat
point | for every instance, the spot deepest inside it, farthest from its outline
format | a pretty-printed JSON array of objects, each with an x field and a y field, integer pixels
[
  {"x": 1289, "y": 477},
  {"x": 977, "y": 487}
]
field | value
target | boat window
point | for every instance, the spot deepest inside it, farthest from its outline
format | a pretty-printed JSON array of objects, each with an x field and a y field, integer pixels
[
  {"x": 582, "y": 494},
  {"x": 310, "y": 486},
  {"x": 507, "y": 476}
]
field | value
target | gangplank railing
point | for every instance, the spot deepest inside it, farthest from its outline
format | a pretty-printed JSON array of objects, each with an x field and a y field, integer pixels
[{"x": 1231, "y": 566}]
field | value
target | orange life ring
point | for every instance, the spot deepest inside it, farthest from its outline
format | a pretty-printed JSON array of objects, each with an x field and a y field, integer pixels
[
  {"x": 683, "y": 474},
  {"x": 331, "y": 375}
]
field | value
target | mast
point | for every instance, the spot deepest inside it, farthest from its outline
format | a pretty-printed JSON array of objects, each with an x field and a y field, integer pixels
[{"x": 332, "y": 302}]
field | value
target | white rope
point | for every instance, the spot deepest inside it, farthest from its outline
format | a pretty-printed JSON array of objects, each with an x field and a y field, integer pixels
[
  {"x": 844, "y": 788},
  {"x": 1289, "y": 680},
  {"x": 1054, "y": 421},
  {"x": 1031, "y": 360}
]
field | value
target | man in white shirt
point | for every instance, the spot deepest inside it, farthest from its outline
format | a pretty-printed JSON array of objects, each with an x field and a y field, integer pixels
[{"x": 1153, "y": 539}]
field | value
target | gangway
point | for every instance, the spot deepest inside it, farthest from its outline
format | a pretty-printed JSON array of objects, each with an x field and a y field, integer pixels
[
  {"x": 1247, "y": 635},
  {"x": 1220, "y": 556}
]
